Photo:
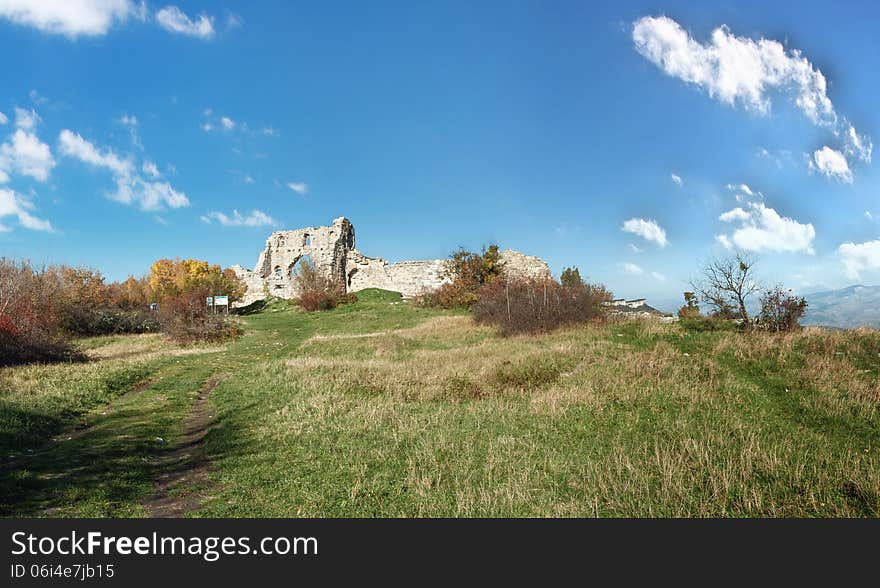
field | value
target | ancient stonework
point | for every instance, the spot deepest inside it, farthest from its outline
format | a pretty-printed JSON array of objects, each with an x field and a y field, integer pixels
[{"x": 331, "y": 250}]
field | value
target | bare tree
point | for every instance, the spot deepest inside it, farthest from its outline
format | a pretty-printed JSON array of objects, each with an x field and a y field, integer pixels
[{"x": 726, "y": 285}]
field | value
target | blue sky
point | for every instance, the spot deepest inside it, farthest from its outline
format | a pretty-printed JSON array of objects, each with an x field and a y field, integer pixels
[{"x": 616, "y": 137}]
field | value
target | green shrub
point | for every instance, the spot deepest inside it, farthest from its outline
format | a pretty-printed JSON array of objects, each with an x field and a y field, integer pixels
[
  {"x": 526, "y": 375},
  {"x": 707, "y": 323}
]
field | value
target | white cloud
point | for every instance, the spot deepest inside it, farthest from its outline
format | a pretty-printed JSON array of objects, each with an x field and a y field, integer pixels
[
  {"x": 207, "y": 127},
  {"x": 832, "y": 164},
  {"x": 858, "y": 257},
  {"x": 129, "y": 120},
  {"x": 739, "y": 71},
  {"x": 3, "y": 119},
  {"x": 174, "y": 20},
  {"x": 763, "y": 229},
  {"x": 744, "y": 188},
  {"x": 228, "y": 123},
  {"x": 73, "y": 145},
  {"x": 632, "y": 269},
  {"x": 26, "y": 119},
  {"x": 151, "y": 170},
  {"x": 71, "y": 18},
  {"x": 858, "y": 145},
  {"x": 737, "y": 214},
  {"x": 25, "y": 154},
  {"x": 635, "y": 248},
  {"x": 646, "y": 229},
  {"x": 233, "y": 21},
  {"x": 36, "y": 98},
  {"x": 149, "y": 196},
  {"x": 256, "y": 218},
  {"x": 13, "y": 204},
  {"x": 659, "y": 277},
  {"x": 676, "y": 179},
  {"x": 735, "y": 70},
  {"x": 300, "y": 188},
  {"x": 271, "y": 132},
  {"x": 131, "y": 188}
]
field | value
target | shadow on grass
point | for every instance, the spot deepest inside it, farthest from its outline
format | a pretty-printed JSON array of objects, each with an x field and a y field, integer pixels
[
  {"x": 99, "y": 468},
  {"x": 107, "y": 467},
  {"x": 252, "y": 308}
]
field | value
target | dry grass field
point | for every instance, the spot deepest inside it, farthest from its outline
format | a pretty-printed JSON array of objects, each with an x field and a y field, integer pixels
[{"x": 383, "y": 409}]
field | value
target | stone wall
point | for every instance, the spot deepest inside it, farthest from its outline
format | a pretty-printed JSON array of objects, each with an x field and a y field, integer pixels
[
  {"x": 520, "y": 265},
  {"x": 331, "y": 250}
]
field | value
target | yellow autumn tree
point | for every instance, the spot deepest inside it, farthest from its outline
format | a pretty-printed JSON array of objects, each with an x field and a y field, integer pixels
[{"x": 174, "y": 277}]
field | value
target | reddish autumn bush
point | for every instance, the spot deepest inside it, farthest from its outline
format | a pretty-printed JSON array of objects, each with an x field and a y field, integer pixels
[
  {"x": 187, "y": 319},
  {"x": 533, "y": 306},
  {"x": 465, "y": 273},
  {"x": 29, "y": 324},
  {"x": 316, "y": 300},
  {"x": 781, "y": 310},
  {"x": 317, "y": 291}
]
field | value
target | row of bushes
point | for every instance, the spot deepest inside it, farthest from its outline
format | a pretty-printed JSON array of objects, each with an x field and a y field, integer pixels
[
  {"x": 41, "y": 309},
  {"x": 533, "y": 306},
  {"x": 781, "y": 311}
]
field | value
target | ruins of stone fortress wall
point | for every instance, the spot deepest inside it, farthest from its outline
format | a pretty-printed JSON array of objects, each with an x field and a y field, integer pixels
[{"x": 332, "y": 251}]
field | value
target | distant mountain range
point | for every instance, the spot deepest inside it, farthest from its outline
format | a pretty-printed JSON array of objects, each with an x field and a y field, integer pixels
[{"x": 846, "y": 308}]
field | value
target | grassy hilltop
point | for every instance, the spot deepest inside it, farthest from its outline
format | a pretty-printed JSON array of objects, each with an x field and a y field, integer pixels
[{"x": 379, "y": 408}]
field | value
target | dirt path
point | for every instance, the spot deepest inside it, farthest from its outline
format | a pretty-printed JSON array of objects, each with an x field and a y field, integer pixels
[{"x": 184, "y": 484}]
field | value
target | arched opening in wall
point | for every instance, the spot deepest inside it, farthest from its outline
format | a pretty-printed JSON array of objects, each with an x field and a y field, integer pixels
[
  {"x": 294, "y": 268},
  {"x": 351, "y": 275},
  {"x": 307, "y": 240},
  {"x": 291, "y": 269},
  {"x": 277, "y": 272}
]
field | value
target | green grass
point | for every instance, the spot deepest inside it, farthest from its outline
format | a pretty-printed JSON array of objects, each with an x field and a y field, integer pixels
[{"x": 380, "y": 408}]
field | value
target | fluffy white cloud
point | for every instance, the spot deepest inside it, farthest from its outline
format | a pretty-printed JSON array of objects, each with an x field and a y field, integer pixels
[
  {"x": 735, "y": 70},
  {"x": 832, "y": 164},
  {"x": 227, "y": 123},
  {"x": 659, "y": 277},
  {"x": 149, "y": 196},
  {"x": 739, "y": 71},
  {"x": 737, "y": 214},
  {"x": 646, "y": 229},
  {"x": 73, "y": 145},
  {"x": 763, "y": 229},
  {"x": 3, "y": 119},
  {"x": 131, "y": 188},
  {"x": 300, "y": 188},
  {"x": 71, "y": 18},
  {"x": 632, "y": 269},
  {"x": 25, "y": 154},
  {"x": 150, "y": 169},
  {"x": 174, "y": 20},
  {"x": 13, "y": 204},
  {"x": 26, "y": 119},
  {"x": 858, "y": 257},
  {"x": 676, "y": 179},
  {"x": 858, "y": 145},
  {"x": 256, "y": 218}
]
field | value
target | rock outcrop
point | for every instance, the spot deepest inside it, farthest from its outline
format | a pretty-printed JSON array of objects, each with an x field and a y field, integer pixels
[{"x": 332, "y": 251}]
